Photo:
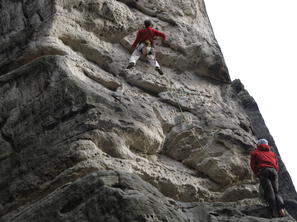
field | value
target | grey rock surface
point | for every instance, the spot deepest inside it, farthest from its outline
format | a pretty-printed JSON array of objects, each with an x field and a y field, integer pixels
[
  {"x": 119, "y": 196},
  {"x": 103, "y": 196},
  {"x": 69, "y": 111}
]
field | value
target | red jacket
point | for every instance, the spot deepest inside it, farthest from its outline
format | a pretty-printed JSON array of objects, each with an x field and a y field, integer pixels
[
  {"x": 147, "y": 34},
  {"x": 263, "y": 157}
]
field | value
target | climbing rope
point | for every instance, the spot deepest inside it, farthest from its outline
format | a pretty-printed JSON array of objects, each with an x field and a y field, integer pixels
[{"x": 173, "y": 91}]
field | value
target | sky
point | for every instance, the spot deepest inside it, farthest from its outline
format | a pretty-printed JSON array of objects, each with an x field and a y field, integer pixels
[{"x": 258, "y": 39}]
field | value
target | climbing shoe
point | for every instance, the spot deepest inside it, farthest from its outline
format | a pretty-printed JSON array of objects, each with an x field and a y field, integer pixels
[
  {"x": 159, "y": 71},
  {"x": 131, "y": 65},
  {"x": 282, "y": 212}
]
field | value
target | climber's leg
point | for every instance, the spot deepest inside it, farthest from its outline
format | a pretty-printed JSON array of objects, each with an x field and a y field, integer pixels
[
  {"x": 279, "y": 200},
  {"x": 269, "y": 194},
  {"x": 134, "y": 57},
  {"x": 152, "y": 60}
]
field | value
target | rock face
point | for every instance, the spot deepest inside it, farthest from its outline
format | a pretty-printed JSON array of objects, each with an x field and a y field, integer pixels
[{"x": 84, "y": 139}]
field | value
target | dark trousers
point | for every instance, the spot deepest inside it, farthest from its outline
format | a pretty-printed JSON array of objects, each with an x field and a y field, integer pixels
[{"x": 269, "y": 183}]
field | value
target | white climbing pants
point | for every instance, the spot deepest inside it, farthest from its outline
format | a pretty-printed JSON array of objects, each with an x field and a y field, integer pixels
[{"x": 150, "y": 57}]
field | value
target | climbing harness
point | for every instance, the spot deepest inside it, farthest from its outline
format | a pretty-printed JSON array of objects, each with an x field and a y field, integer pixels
[{"x": 146, "y": 48}]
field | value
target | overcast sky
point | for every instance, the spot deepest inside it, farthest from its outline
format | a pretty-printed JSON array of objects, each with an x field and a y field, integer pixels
[{"x": 258, "y": 39}]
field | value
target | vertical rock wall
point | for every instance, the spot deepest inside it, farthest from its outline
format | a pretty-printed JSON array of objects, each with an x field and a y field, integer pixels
[{"x": 72, "y": 117}]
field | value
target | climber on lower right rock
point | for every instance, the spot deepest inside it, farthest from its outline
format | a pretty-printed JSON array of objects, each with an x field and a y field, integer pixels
[{"x": 264, "y": 164}]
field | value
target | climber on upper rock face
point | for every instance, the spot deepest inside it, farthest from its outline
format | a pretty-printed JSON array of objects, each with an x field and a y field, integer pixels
[
  {"x": 264, "y": 164},
  {"x": 144, "y": 45}
]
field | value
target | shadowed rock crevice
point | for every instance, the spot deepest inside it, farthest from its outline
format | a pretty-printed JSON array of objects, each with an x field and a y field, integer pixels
[
  {"x": 71, "y": 205},
  {"x": 9, "y": 140}
]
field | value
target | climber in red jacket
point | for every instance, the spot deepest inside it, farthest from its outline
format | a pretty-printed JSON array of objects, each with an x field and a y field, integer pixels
[
  {"x": 144, "y": 44},
  {"x": 264, "y": 164}
]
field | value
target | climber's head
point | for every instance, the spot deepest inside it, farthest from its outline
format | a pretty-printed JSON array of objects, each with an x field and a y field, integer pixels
[
  {"x": 262, "y": 141},
  {"x": 148, "y": 23}
]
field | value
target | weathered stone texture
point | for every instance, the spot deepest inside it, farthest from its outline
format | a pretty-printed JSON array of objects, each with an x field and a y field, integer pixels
[
  {"x": 117, "y": 196},
  {"x": 69, "y": 110}
]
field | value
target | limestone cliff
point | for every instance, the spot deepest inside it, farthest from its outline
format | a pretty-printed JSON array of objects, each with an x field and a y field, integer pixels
[{"x": 84, "y": 139}]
